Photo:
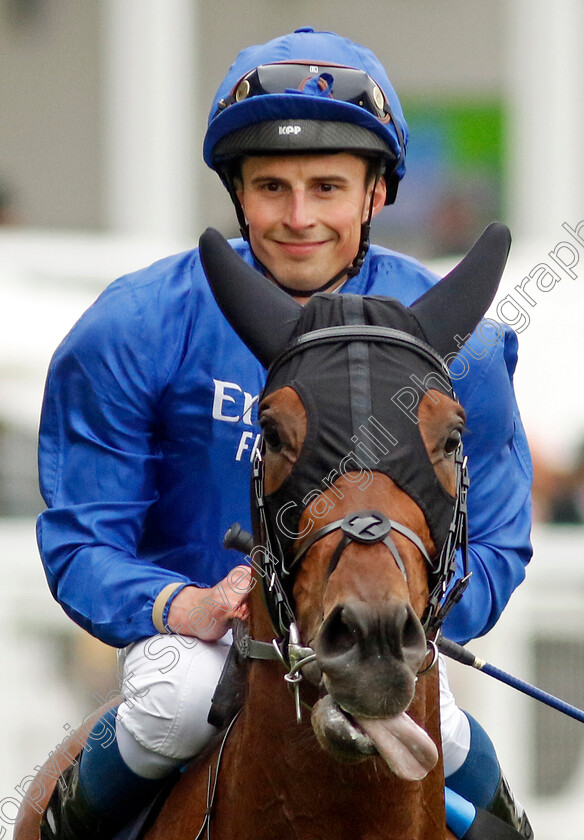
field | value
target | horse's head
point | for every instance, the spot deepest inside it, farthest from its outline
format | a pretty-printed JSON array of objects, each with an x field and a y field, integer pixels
[{"x": 360, "y": 488}]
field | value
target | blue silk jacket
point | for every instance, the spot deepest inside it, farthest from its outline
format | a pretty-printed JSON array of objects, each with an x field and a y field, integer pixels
[{"x": 149, "y": 427}]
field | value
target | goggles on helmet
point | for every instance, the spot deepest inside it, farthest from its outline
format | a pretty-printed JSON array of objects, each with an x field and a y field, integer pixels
[{"x": 336, "y": 82}]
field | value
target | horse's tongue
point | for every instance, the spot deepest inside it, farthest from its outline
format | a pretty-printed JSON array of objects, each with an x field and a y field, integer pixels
[{"x": 409, "y": 751}]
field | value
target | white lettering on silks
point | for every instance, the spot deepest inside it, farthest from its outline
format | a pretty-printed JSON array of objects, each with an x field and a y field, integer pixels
[
  {"x": 244, "y": 445},
  {"x": 239, "y": 407},
  {"x": 231, "y": 404}
]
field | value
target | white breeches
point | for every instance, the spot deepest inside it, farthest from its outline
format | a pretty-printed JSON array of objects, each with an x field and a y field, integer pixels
[
  {"x": 168, "y": 683},
  {"x": 454, "y": 725}
]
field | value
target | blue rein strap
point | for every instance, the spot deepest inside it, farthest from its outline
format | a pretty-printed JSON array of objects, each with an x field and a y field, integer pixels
[{"x": 461, "y": 654}]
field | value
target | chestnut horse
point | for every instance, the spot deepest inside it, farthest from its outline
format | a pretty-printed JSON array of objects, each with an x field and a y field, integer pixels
[{"x": 359, "y": 504}]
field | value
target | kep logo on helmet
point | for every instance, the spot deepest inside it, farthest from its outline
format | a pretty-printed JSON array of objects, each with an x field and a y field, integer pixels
[{"x": 289, "y": 129}]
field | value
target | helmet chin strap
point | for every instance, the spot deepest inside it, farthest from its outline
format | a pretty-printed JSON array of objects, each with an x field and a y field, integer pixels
[{"x": 347, "y": 272}]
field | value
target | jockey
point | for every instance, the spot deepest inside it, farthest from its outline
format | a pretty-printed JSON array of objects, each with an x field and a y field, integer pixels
[{"x": 148, "y": 430}]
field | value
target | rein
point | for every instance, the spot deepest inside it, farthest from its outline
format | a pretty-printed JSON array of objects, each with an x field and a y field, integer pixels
[{"x": 212, "y": 784}]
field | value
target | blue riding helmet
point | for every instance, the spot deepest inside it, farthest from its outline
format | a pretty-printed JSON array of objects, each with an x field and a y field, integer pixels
[{"x": 302, "y": 92}]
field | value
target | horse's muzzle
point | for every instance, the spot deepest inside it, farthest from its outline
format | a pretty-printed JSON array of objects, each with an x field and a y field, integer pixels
[{"x": 369, "y": 656}]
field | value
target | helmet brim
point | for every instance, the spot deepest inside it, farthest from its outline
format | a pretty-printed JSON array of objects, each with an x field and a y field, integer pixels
[{"x": 298, "y": 137}]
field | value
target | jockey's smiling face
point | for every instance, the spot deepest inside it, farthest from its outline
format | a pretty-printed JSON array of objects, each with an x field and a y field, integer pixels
[{"x": 305, "y": 213}]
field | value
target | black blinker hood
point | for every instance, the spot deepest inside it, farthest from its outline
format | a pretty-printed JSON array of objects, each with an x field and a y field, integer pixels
[{"x": 361, "y": 400}]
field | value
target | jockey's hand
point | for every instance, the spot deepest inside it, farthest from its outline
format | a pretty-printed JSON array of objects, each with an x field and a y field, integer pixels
[{"x": 208, "y": 613}]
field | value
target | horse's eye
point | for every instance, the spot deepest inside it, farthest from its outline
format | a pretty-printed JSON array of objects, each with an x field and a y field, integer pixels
[
  {"x": 272, "y": 437},
  {"x": 452, "y": 441}
]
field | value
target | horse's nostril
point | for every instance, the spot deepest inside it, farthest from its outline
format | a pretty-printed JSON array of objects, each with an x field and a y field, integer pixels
[
  {"x": 340, "y": 632},
  {"x": 411, "y": 629},
  {"x": 413, "y": 639}
]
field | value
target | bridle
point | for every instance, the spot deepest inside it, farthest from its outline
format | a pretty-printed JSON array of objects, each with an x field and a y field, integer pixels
[{"x": 363, "y": 526}]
